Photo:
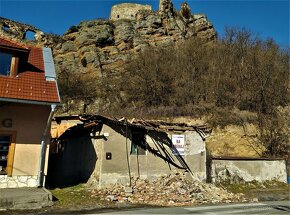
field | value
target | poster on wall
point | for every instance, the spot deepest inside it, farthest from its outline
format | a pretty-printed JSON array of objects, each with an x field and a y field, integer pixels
[{"x": 178, "y": 144}]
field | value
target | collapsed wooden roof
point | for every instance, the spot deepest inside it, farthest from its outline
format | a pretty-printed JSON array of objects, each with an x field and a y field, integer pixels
[
  {"x": 151, "y": 125},
  {"x": 93, "y": 121}
]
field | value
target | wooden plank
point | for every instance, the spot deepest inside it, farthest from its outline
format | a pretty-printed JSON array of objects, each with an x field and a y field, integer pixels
[
  {"x": 14, "y": 66},
  {"x": 178, "y": 128}
]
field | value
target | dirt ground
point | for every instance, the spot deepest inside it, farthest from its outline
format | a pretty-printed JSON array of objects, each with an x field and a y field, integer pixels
[
  {"x": 79, "y": 198},
  {"x": 73, "y": 200}
]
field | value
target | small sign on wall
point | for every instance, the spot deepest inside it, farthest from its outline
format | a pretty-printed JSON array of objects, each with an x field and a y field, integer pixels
[{"x": 178, "y": 144}]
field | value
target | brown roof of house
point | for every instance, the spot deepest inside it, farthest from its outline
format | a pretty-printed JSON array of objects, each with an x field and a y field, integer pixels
[
  {"x": 30, "y": 84},
  {"x": 12, "y": 44}
]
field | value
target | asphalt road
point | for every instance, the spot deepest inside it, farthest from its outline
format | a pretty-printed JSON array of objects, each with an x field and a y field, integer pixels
[{"x": 265, "y": 208}]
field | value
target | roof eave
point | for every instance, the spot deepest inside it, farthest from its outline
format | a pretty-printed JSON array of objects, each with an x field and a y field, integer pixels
[
  {"x": 24, "y": 101},
  {"x": 15, "y": 49}
]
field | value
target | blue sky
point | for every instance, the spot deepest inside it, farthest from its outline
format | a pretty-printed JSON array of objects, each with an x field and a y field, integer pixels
[{"x": 267, "y": 18}]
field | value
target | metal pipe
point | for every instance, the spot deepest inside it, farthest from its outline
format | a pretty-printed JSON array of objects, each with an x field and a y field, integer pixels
[
  {"x": 43, "y": 147},
  {"x": 128, "y": 162}
]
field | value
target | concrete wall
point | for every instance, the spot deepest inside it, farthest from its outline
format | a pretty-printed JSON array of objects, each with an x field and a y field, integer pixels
[
  {"x": 127, "y": 11},
  {"x": 83, "y": 159},
  {"x": 237, "y": 171},
  {"x": 28, "y": 121},
  {"x": 148, "y": 165}
]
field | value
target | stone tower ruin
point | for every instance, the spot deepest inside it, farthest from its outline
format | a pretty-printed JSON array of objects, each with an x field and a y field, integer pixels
[
  {"x": 166, "y": 7},
  {"x": 127, "y": 10},
  {"x": 162, "y": 3}
]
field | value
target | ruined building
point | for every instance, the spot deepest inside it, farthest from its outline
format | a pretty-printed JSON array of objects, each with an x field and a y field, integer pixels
[
  {"x": 127, "y": 11},
  {"x": 101, "y": 46},
  {"x": 130, "y": 10},
  {"x": 18, "y": 31}
]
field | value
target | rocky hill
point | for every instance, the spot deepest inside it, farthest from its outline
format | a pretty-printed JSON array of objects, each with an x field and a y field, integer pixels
[
  {"x": 98, "y": 45},
  {"x": 108, "y": 44}
]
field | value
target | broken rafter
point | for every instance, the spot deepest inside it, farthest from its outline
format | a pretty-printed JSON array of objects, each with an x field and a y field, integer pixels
[
  {"x": 176, "y": 128},
  {"x": 151, "y": 125},
  {"x": 158, "y": 154},
  {"x": 90, "y": 124}
]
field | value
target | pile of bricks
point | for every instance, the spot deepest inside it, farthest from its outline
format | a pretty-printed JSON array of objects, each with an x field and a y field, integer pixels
[{"x": 168, "y": 190}]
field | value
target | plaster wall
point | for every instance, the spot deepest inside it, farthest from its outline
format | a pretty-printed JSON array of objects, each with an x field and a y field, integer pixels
[
  {"x": 127, "y": 11},
  {"x": 237, "y": 171},
  {"x": 115, "y": 170},
  {"x": 28, "y": 121}
]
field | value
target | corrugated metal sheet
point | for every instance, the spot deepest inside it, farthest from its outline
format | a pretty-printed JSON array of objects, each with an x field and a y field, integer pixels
[{"x": 48, "y": 63}]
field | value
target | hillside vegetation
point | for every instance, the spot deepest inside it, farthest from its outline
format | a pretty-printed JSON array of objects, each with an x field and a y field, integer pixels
[
  {"x": 236, "y": 80},
  {"x": 170, "y": 64}
]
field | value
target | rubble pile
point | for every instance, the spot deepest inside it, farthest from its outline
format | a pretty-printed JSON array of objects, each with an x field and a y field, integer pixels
[{"x": 168, "y": 190}]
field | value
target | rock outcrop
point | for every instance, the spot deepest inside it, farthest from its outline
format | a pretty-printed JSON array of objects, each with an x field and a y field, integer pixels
[
  {"x": 98, "y": 45},
  {"x": 109, "y": 44}
]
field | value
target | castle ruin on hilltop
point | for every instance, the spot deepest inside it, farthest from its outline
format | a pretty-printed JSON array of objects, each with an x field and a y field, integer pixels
[
  {"x": 164, "y": 22},
  {"x": 127, "y": 10},
  {"x": 130, "y": 10},
  {"x": 17, "y": 30}
]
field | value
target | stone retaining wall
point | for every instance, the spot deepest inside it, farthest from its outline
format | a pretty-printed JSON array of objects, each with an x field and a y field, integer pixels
[
  {"x": 240, "y": 171},
  {"x": 18, "y": 181}
]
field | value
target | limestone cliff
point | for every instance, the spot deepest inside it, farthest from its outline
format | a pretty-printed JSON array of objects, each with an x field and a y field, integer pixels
[
  {"x": 108, "y": 44},
  {"x": 98, "y": 45}
]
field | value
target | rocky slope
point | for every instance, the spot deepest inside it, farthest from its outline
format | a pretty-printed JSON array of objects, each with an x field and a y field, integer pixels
[
  {"x": 98, "y": 45},
  {"x": 93, "y": 48}
]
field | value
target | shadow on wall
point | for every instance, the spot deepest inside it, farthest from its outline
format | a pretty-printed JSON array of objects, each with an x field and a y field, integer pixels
[
  {"x": 71, "y": 161},
  {"x": 73, "y": 157},
  {"x": 162, "y": 147}
]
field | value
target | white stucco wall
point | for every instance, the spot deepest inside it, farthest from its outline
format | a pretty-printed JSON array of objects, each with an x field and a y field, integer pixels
[{"x": 236, "y": 171}]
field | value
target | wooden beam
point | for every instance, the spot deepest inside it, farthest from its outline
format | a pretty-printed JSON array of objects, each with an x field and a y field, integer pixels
[{"x": 14, "y": 66}]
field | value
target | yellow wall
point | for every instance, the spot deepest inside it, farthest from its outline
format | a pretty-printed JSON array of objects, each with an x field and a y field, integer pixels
[{"x": 29, "y": 122}]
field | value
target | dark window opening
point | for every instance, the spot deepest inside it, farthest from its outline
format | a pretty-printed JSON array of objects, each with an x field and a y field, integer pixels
[
  {"x": 132, "y": 15},
  {"x": 29, "y": 35},
  {"x": 138, "y": 146},
  {"x": 5, "y": 28},
  {"x": 118, "y": 16},
  {"x": 4, "y": 149},
  {"x": 5, "y": 63}
]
